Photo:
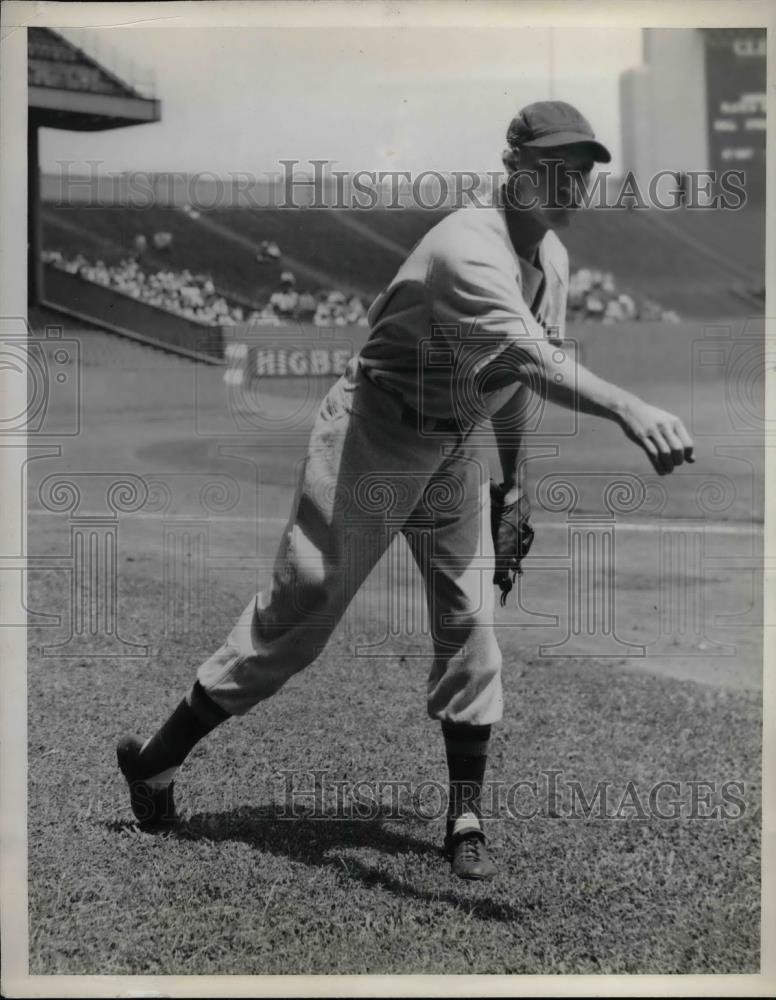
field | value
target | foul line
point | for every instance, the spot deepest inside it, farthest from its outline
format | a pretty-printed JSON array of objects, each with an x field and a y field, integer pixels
[{"x": 673, "y": 524}]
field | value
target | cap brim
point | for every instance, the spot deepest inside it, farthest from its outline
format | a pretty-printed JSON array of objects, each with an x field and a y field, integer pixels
[{"x": 600, "y": 153}]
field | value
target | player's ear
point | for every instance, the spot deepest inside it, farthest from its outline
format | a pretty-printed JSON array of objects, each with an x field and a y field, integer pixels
[{"x": 511, "y": 159}]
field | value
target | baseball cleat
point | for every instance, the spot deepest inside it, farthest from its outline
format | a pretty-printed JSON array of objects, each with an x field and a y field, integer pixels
[
  {"x": 467, "y": 851},
  {"x": 154, "y": 808}
]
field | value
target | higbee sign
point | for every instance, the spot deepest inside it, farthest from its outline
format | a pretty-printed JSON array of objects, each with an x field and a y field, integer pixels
[{"x": 253, "y": 352}]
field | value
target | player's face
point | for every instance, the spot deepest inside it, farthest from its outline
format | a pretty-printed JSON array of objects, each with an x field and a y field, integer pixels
[{"x": 553, "y": 180}]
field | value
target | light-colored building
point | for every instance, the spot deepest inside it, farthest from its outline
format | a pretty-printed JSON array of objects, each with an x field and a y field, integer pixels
[{"x": 696, "y": 103}]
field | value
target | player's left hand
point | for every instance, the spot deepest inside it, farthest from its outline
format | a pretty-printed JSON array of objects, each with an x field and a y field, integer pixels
[{"x": 510, "y": 522}]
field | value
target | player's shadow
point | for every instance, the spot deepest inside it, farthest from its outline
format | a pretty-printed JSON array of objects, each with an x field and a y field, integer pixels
[{"x": 318, "y": 841}]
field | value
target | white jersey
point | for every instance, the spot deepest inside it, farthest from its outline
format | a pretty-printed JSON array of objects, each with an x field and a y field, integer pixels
[{"x": 462, "y": 298}]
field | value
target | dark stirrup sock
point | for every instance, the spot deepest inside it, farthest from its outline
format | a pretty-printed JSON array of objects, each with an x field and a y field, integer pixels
[
  {"x": 194, "y": 718},
  {"x": 467, "y": 754}
]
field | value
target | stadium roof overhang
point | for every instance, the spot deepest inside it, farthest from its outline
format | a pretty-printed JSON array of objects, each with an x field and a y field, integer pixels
[
  {"x": 69, "y": 89},
  {"x": 78, "y": 111}
]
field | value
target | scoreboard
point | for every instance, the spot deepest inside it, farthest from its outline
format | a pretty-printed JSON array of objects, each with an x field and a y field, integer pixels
[{"x": 736, "y": 94}]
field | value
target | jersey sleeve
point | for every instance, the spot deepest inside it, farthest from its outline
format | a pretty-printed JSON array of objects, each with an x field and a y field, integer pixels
[{"x": 476, "y": 299}]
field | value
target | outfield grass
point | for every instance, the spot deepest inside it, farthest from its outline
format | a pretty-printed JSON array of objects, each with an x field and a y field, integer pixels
[{"x": 238, "y": 889}]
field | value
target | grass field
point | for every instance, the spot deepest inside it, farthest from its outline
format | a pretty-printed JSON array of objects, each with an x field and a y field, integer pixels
[{"x": 239, "y": 888}]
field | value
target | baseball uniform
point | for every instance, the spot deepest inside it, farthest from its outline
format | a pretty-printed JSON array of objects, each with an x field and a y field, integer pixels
[{"x": 392, "y": 450}]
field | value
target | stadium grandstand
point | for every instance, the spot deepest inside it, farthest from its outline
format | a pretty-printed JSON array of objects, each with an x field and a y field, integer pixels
[{"x": 190, "y": 264}]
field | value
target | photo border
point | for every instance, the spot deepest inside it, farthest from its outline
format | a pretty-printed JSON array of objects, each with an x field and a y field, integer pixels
[{"x": 13, "y": 238}]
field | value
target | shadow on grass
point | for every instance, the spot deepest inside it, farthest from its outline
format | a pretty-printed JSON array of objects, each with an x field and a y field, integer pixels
[{"x": 314, "y": 841}]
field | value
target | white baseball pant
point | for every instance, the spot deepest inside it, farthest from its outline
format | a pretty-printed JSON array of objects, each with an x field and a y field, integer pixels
[{"x": 369, "y": 473}]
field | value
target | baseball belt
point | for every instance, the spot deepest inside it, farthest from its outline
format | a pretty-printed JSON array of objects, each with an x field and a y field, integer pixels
[{"x": 411, "y": 417}]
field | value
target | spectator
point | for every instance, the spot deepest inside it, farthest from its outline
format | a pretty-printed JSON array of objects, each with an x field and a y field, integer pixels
[
  {"x": 307, "y": 305},
  {"x": 140, "y": 244},
  {"x": 650, "y": 310},
  {"x": 584, "y": 280},
  {"x": 163, "y": 241},
  {"x": 265, "y": 317},
  {"x": 594, "y": 307},
  {"x": 613, "y": 312},
  {"x": 627, "y": 305},
  {"x": 355, "y": 310},
  {"x": 286, "y": 299},
  {"x": 268, "y": 251},
  {"x": 323, "y": 316}
]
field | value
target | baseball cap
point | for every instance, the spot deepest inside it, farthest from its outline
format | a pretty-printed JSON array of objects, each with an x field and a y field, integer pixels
[
  {"x": 554, "y": 123},
  {"x": 287, "y": 278}
]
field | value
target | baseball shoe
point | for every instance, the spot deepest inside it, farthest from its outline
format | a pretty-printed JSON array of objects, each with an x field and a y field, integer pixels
[
  {"x": 467, "y": 852},
  {"x": 154, "y": 808}
]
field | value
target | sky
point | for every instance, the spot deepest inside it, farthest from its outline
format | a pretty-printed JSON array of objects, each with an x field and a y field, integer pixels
[{"x": 242, "y": 99}]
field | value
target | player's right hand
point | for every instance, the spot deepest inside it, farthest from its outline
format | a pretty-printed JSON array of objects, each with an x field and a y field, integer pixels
[{"x": 661, "y": 434}]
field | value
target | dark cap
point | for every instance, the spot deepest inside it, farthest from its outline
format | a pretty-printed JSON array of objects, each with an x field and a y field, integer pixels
[{"x": 554, "y": 123}]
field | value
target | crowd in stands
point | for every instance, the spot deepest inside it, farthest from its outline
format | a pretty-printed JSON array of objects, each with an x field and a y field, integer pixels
[
  {"x": 323, "y": 308},
  {"x": 192, "y": 296},
  {"x": 593, "y": 297},
  {"x": 195, "y": 297}
]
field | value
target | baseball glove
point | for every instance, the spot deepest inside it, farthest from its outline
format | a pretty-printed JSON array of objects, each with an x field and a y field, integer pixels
[{"x": 510, "y": 525}]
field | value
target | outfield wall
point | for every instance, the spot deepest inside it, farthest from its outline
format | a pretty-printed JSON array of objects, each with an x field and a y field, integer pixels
[
  {"x": 626, "y": 353},
  {"x": 652, "y": 353},
  {"x": 634, "y": 353}
]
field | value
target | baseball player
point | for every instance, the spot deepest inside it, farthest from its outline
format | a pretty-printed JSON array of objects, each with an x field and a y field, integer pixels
[{"x": 472, "y": 320}]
